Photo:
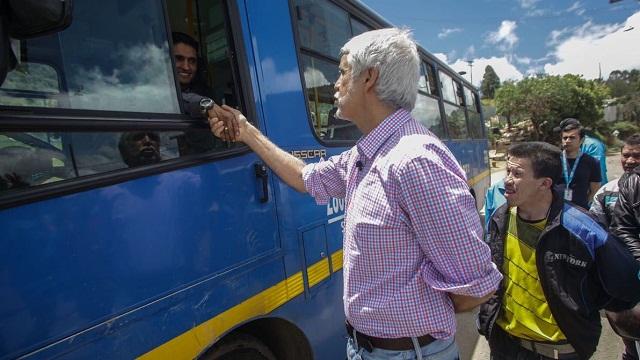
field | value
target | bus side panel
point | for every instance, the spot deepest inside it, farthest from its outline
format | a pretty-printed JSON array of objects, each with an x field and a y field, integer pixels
[{"x": 76, "y": 261}]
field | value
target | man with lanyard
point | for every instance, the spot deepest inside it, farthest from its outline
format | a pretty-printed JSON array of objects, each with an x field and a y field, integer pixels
[
  {"x": 581, "y": 172},
  {"x": 413, "y": 249},
  {"x": 560, "y": 267}
]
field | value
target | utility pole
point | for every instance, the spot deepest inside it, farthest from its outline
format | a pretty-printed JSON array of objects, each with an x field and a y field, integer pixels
[{"x": 470, "y": 62}]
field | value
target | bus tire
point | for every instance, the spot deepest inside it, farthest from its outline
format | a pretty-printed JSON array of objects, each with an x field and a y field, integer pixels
[{"x": 239, "y": 347}]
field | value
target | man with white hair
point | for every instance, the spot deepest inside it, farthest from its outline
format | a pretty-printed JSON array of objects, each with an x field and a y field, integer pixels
[{"x": 413, "y": 249}]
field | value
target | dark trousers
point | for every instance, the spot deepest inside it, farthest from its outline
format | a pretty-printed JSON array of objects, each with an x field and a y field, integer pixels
[{"x": 505, "y": 347}]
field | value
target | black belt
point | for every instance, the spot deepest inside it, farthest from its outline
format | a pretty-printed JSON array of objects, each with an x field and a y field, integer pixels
[{"x": 397, "y": 344}]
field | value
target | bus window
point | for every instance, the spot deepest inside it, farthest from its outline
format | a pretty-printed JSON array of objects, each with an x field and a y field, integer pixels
[
  {"x": 34, "y": 159},
  {"x": 427, "y": 81},
  {"x": 323, "y": 27},
  {"x": 456, "y": 121},
  {"x": 358, "y": 28},
  {"x": 206, "y": 23},
  {"x": 114, "y": 57},
  {"x": 38, "y": 80},
  {"x": 448, "y": 88},
  {"x": 475, "y": 122},
  {"x": 427, "y": 112}
]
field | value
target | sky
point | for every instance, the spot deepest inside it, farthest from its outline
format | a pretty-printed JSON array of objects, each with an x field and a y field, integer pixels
[{"x": 519, "y": 38}]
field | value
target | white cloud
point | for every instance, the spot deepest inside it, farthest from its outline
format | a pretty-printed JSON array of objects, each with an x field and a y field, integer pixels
[
  {"x": 448, "y": 31},
  {"x": 575, "y": 6},
  {"x": 502, "y": 66},
  {"x": 527, "y": 4},
  {"x": 440, "y": 56},
  {"x": 593, "y": 44},
  {"x": 505, "y": 37}
]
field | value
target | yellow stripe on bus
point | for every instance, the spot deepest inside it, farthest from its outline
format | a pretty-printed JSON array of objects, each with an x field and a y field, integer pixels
[
  {"x": 476, "y": 179},
  {"x": 191, "y": 343}
]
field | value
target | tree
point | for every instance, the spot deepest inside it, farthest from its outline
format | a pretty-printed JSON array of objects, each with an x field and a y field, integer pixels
[
  {"x": 490, "y": 83},
  {"x": 546, "y": 100}
]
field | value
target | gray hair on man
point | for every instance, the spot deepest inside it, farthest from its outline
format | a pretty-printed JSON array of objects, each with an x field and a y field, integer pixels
[{"x": 394, "y": 54}]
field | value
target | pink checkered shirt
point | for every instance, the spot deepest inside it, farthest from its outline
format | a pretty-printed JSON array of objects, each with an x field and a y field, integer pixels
[{"x": 412, "y": 233}]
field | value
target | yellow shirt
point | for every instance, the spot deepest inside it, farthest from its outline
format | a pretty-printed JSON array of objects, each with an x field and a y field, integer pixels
[{"x": 525, "y": 312}]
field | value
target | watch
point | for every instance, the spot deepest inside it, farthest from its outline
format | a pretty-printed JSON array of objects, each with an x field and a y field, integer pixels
[{"x": 205, "y": 105}]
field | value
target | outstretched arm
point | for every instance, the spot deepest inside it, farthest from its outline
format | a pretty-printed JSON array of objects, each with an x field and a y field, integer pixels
[{"x": 230, "y": 124}]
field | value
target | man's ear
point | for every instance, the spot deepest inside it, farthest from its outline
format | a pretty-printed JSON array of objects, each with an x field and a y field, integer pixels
[
  {"x": 547, "y": 183},
  {"x": 371, "y": 78}
]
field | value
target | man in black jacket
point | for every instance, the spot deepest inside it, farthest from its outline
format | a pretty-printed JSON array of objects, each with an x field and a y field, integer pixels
[
  {"x": 560, "y": 267},
  {"x": 625, "y": 223}
]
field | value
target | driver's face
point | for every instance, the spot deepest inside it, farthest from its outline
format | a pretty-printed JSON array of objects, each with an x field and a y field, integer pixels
[{"x": 186, "y": 63}]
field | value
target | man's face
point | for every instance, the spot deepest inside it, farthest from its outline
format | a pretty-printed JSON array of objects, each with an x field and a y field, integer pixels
[
  {"x": 571, "y": 140},
  {"x": 520, "y": 184},
  {"x": 348, "y": 95},
  {"x": 186, "y": 63},
  {"x": 145, "y": 148},
  {"x": 630, "y": 157}
]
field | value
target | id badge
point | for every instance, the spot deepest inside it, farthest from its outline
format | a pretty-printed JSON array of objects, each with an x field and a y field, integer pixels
[{"x": 568, "y": 194}]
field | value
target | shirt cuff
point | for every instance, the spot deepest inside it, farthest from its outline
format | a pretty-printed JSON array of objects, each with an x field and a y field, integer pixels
[{"x": 478, "y": 287}]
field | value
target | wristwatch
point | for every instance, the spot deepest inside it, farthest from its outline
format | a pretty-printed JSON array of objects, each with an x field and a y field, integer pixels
[{"x": 205, "y": 105}]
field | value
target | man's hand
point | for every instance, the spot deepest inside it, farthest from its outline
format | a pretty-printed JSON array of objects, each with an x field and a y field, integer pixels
[
  {"x": 227, "y": 123},
  {"x": 463, "y": 303}
]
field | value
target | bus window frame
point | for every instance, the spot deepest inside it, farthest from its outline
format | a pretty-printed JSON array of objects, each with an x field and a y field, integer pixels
[
  {"x": 354, "y": 13},
  {"x": 32, "y": 119}
]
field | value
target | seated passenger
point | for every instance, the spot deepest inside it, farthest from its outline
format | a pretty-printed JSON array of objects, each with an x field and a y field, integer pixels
[{"x": 139, "y": 148}]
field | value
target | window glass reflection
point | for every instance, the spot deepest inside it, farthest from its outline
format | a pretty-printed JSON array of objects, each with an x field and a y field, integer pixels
[
  {"x": 322, "y": 26},
  {"x": 114, "y": 59},
  {"x": 34, "y": 159},
  {"x": 319, "y": 78},
  {"x": 427, "y": 112},
  {"x": 448, "y": 89},
  {"x": 456, "y": 121}
]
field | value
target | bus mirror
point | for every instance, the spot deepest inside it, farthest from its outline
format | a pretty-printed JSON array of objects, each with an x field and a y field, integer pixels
[
  {"x": 25, "y": 19},
  {"x": 31, "y": 18}
]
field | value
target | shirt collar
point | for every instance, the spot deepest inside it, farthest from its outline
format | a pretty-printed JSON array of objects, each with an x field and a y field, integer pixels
[{"x": 369, "y": 144}]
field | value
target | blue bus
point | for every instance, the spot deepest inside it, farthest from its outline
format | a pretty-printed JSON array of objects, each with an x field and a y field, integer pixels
[{"x": 128, "y": 231}]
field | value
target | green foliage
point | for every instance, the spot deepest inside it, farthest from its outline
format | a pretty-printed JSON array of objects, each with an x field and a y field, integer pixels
[
  {"x": 490, "y": 83},
  {"x": 626, "y": 128},
  {"x": 624, "y": 83},
  {"x": 546, "y": 100}
]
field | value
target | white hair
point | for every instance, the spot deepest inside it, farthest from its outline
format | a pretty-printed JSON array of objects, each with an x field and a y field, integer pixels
[{"x": 394, "y": 54}]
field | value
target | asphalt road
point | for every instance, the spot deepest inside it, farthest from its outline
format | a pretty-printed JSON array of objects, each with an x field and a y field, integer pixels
[{"x": 474, "y": 347}]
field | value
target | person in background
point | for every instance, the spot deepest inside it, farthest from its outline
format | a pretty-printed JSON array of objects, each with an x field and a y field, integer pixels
[
  {"x": 580, "y": 172},
  {"x": 413, "y": 249},
  {"x": 545, "y": 246},
  {"x": 603, "y": 208}
]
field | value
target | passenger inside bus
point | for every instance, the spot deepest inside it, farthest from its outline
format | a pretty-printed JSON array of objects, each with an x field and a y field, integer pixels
[{"x": 139, "y": 148}]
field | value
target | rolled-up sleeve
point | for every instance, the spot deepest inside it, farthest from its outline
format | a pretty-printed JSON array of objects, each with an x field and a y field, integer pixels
[
  {"x": 442, "y": 213},
  {"x": 327, "y": 178}
]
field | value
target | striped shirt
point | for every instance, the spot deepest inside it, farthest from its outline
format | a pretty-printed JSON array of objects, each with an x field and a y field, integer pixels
[{"x": 412, "y": 233}]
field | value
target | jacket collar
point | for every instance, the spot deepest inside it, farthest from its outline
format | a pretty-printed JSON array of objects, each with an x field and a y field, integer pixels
[{"x": 553, "y": 219}]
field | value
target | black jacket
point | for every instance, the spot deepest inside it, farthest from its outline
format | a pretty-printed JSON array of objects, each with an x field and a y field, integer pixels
[
  {"x": 582, "y": 269},
  {"x": 625, "y": 222}
]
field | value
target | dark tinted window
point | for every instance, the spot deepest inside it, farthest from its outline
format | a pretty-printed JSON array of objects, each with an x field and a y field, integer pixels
[
  {"x": 34, "y": 159},
  {"x": 475, "y": 121},
  {"x": 114, "y": 56},
  {"x": 358, "y": 28},
  {"x": 456, "y": 121}
]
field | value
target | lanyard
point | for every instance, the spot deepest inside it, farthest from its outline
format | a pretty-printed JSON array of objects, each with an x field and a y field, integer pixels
[{"x": 569, "y": 177}]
